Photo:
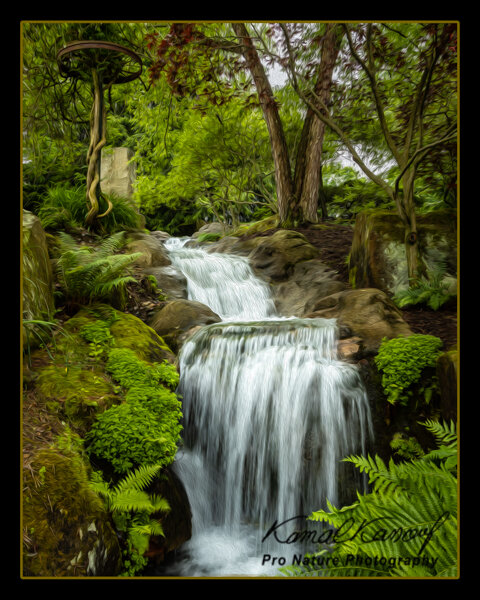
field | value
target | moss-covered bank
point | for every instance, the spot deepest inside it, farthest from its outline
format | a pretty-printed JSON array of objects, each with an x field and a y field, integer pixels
[{"x": 71, "y": 387}]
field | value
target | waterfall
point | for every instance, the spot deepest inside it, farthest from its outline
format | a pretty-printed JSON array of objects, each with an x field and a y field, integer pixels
[{"x": 269, "y": 412}]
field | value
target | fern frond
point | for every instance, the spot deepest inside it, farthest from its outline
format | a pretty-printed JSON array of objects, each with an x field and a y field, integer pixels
[
  {"x": 134, "y": 500},
  {"x": 445, "y": 433},
  {"x": 110, "y": 245},
  {"x": 138, "y": 479}
]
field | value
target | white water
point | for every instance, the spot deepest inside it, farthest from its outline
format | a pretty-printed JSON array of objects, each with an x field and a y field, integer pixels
[{"x": 269, "y": 414}]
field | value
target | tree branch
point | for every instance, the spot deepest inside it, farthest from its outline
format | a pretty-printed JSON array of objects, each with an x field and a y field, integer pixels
[
  {"x": 328, "y": 121},
  {"x": 419, "y": 154},
  {"x": 373, "y": 84}
]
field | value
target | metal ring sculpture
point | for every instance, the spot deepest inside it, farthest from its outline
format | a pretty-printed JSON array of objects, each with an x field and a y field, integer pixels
[{"x": 105, "y": 64}]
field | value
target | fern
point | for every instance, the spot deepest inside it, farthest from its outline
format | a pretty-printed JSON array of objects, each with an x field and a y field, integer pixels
[
  {"x": 87, "y": 274},
  {"x": 432, "y": 291},
  {"x": 131, "y": 508},
  {"x": 411, "y": 514}
]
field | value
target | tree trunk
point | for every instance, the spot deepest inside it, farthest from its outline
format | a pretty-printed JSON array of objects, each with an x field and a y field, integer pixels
[
  {"x": 98, "y": 127},
  {"x": 406, "y": 205},
  {"x": 283, "y": 176},
  {"x": 308, "y": 167}
]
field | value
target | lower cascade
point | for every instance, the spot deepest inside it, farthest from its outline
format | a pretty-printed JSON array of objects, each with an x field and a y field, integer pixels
[{"x": 269, "y": 414}]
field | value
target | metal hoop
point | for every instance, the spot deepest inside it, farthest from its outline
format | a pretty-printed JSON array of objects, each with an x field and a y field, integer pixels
[{"x": 79, "y": 46}]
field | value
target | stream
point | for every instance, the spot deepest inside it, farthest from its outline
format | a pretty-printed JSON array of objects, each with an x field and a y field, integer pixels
[{"x": 269, "y": 413}]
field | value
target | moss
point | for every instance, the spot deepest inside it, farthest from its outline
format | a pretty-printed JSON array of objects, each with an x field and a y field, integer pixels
[
  {"x": 256, "y": 227},
  {"x": 64, "y": 520},
  {"x": 130, "y": 332},
  {"x": 77, "y": 393}
]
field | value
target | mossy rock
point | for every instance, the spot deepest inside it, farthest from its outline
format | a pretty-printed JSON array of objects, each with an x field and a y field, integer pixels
[
  {"x": 127, "y": 330},
  {"x": 257, "y": 226},
  {"x": 130, "y": 332},
  {"x": 79, "y": 393},
  {"x": 378, "y": 258},
  {"x": 37, "y": 274},
  {"x": 67, "y": 531}
]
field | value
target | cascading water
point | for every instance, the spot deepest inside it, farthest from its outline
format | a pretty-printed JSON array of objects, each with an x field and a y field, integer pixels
[{"x": 269, "y": 414}]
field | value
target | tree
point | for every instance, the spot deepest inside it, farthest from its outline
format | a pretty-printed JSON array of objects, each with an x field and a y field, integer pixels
[
  {"x": 409, "y": 102},
  {"x": 62, "y": 74},
  {"x": 188, "y": 50}
]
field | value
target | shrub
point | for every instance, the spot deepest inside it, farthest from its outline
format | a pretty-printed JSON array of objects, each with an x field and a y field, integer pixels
[
  {"x": 402, "y": 360},
  {"x": 130, "y": 435},
  {"x": 145, "y": 429}
]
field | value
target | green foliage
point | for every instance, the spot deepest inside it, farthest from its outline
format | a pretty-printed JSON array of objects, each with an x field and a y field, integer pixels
[
  {"x": 146, "y": 428},
  {"x": 132, "y": 508},
  {"x": 88, "y": 274},
  {"x": 406, "y": 447},
  {"x": 98, "y": 336},
  {"x": 205, "y": 164},
  {"x": 62, "y": 207},
  {"x": 411, "y": 513},
  {"x": 126, "y": 368},
  {"x": 346, "y": 193},
  {"x": 432, "y": 291},
  {"x": 65, "y": 207},
  {"x": 402, "y": 361}
]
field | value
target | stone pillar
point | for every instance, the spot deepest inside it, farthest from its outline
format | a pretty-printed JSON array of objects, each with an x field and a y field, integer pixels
[{"x": 118, "y": 172}]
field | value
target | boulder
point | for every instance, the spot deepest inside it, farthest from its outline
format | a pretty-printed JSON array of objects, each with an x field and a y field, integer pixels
[
  {"x": 215, "y": 227},
  {"x": 153, "y": 251},
  {"x": 310, "y": 281},
  {"x": 275, "y": 256},
  {"x": 37, "y": 292},
  {"x": 160, "y": 235},
  {"x": 349, "y": 349},
  {"x": 234, "y": 245},
  {"x": 378, "y": 259},
  {"x": 178, "y": 317},
  {"x": 69, "y": 532},
  {"x": 171, "y": 281},
  {"x": 367, "y": 313}
]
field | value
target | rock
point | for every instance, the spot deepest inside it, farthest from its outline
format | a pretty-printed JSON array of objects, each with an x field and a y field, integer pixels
[
  {"x": 177, "y": 524},
  {"x": 160, "y": 235},
  {"x": 368, "y": 314},
  {"x": 171, "y": 281},
  {"x": 234, "y": 245},
  {"x": 275, "y": 256},
  {"x": 179, "y": 316},
  {"x": 447, "y": 367},
  {"x": 37, "y": 274},
  {"x": 70, "y": 532},
  {"x": 349, "y": 349},
  {"x": 378, "y": 260},
  {"x": 310, "y": 281},
  {"x": 221, "y": 228},
  {"x": 153, "y": 251}
]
